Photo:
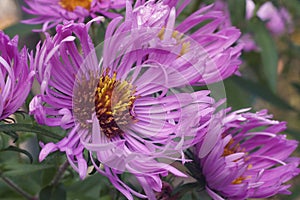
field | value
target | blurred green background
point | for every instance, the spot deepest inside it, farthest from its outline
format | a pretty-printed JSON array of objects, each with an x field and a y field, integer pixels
[{"x": 270, "y": 79}]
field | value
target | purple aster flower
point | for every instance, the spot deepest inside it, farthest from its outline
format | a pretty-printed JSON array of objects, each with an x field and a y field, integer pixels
[
  {"x": 278, "y": 20},
  {"x": 52, "y": 12},
  {"x": 128, "y": 108},
  {"x": 249, "y": 159},
  {"x": 221, "y": 5},
  {"x": 15, "y": 76},
  {"x": 211, "y": 49},
  {"x": 246, "y": 40},
  {"x": 250, "y": 8}
]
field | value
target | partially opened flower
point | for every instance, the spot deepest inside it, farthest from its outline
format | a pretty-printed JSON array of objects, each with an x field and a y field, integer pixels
[
  {"x": 15, "y": 76},
  {"x": 52, "y": 12},
  {"x": 250, "y": 159},
  {"x": 130, "y": 109},
  {"x": 210, "y": 48}
]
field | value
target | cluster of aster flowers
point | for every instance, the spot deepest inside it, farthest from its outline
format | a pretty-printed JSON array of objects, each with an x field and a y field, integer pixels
[
  {"x": 133, "y": 108},
  {"x": 278, "y": 20}
]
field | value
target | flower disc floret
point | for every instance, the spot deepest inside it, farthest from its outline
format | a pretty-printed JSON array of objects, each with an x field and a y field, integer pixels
[
  {"x": 113, "y": 103},
  {"x": 70, "y": 5}
]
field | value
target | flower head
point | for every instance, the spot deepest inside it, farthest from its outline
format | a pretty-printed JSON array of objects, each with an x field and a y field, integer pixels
[
  {"x": 52, "y": 12},
  {"x": 250, "y": 158},
  {"x": 15, "y": 76},
  {"x": 211, "y": 49},
  {"x": 125, "y": 108}
]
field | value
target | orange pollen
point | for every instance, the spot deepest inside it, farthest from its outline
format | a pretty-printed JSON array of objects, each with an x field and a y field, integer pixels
[
  {"x": 229, "y": 149},
  {"x": 113, "y": 104},
  {"x": 71, "y": 5},
  {"x": 238, "y": 180},
  {"x": 185, "y": 46}
]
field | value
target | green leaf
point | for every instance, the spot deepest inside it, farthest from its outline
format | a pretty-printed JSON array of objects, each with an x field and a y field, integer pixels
[
  {"x": 53, "y": 193},
  {"x": 12, "y": 134},
  {"x": 16, "y": 149},
  {"x": 47, "y": 176},
  {"x": 294, "y": 133},
  {"x": 237, "y": 9},
  {"x": 236, "y": 96},
  {"x": 20, "y": 29},
  {"x": 7, "y": 193},
  {"x": 29, "y": 128},
  {"x": 4, "y": 141},
  {"x": 93, "y": 187},
  {"x": 296, "y": 86},
  {"x": 262, "y": 92},
  {"x": 23, "y": 169},
  {"x": 269, "y": 55},
  {"x": 106, "y": 197},
  {"x": 188, "y": 187},
  {"x": 293, "y": 6}
]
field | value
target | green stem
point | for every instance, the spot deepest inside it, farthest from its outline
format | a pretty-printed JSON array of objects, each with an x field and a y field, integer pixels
[
  {"x": 60, "y": 173},
  {"x": 18, "y": 189}
]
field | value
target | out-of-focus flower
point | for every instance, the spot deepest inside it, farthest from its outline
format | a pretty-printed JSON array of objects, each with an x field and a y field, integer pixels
[
  {"x": 15, "y": 76},
  {"x": 124, "y": 109},
  {"x": 278, "y": 21},
  {"x": 250, "y": 8},
  {"x": 211, "y": 49},
  {"x": 248, "y": 43},
  {"x": 250, "y": 159},
  {"x": 52, "y": 12}
]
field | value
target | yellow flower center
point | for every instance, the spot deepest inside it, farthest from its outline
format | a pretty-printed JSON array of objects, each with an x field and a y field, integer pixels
[
  {"x": 229, "y": 149},
  {"x": 71, "y": 5},
  {"x": 185, "y": 46},
  {"x": 113, "y": 102}
]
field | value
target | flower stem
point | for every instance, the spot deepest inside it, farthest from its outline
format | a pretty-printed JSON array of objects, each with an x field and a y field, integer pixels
[
  {"x": 18, "y": 189},
  {"x": 60, "y": 173}
]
